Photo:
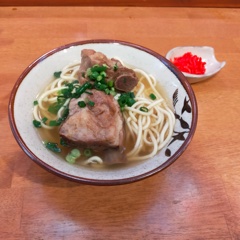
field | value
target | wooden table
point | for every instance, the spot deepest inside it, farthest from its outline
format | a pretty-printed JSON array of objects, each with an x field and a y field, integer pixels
[{"x": 197, "y": 197}]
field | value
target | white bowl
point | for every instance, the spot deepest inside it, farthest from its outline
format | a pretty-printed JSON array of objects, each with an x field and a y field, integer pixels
[
  {"x": 37, "y": 75},
  {"x": 206, "y": 53}
]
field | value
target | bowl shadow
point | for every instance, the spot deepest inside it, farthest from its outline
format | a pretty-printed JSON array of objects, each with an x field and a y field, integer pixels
[{"x": 80, "y": 205}]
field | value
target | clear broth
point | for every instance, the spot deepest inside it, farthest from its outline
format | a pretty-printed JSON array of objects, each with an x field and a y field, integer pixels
[{"x": 52, "y": 135}]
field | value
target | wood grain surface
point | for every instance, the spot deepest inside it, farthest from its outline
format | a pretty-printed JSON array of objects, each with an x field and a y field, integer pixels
[
  {"x": 197, "y": 197},
  {"x": 138, "y": 3}
]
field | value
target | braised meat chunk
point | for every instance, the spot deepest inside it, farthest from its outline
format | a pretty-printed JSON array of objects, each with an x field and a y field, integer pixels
[
  {"x": 98, "y": 125},
  {"x": 124, "y": 78}
]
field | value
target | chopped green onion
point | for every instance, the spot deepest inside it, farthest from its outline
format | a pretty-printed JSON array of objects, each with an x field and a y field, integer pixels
[
  {"x": 74, "y": 90},
  {"x": 63, "y": 142},
  {"x": 76, "y": 153},
  {"x": 35, "y": 103},
  {"x": 73, "y": 155},
  {"x": 130, "y": 102},
  {"x": 126, "y": 99},
  {"x": 82, "y": 89},
  {"x": 66, "y": 92},
  {"x": 55, "y": 123},
  {"x": 88, "y": 72},
  {"x": 113, "y": 93},
  {"x": 55, "y": 107},
  {"x": 115, "y": 67},
  {"x": 53, "y": 147},
  {"x": 57, "y": 74},
  {"x": 44, "y": 120},
  {"x": 99, "y": 78},
  {"x": 37, "y": 124},
  {"x": 65, "y": 113},
  {"x": 91, "y": 103},
  {"x": 75, "y": 81},
  {"x": 81, "y": 104},
  {"x": 99, "y": 68},
  {"x": 110, "y": 83},
  {"x": 94, "y": 75},
  {"x": 97, "y": 72},
  {"x": 100, "y": 86},
  {"x": 87, "y": 153},
  {"x": 90, "y": 93},
  {"x": 143, "y": 109},
  {"x": 152, "y": 96},
  {"x": 71, "y": 159},
  {"x": 103, "y": 74},
  {"x": 131, "y": 95},
  {"x": 107, "y": 91}
]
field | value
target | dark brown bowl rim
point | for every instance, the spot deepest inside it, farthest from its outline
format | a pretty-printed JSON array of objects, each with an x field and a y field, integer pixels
[{"x": 186, "y": 85}]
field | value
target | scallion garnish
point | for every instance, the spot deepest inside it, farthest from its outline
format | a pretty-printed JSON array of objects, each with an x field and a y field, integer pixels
[
  {"x": 110, "y": 91},
  {"x": 113, "y": 92},
  {"x": 37, "y": 124},
  {"x": 44, "y": 120},
  {"x": 97, "y": 72},
  {"x": 152, "y": 96},
  {"x": 90, "y": 93},
  {"x": 76, "y": 153},
  {"x": 53, "y": 123},
  {"x": 81, "y": 104},
  {"x": 54, "y": 108},
  {"x": 99, "y": 78},
  {"x": 100, "y": 86},
  {"x": 130, "y": 101},
  {"x": 74, "y": 90},
  {"x": 57, "y": 74},
  {"x": 65, "y": 113},
  {"x": 53, "y": 147},
  {"x": 110, "y": 83},
  {"x": 143, "y": 109},
  {"x": 87, "y": 153},
  {"x": 126, "y": 99},
  {"x": 82, "y": 89},
  {"x": 63, "y": 142},
  {"x": 70, "y": 159},
  {"x": 91, "y": 103},
  {"x": 73, "y": 155},
  {"x": 35, "y": 103},
  {"x": 115, "y": 67}
]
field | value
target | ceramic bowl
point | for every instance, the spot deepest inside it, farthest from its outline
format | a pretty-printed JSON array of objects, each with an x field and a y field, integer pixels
[
  {"x": 37, "y": 75},
  {"x": 206, "y": 53}
]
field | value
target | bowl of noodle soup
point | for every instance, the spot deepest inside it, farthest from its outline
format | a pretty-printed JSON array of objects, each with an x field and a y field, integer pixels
[{"x": 153, "y": 139}]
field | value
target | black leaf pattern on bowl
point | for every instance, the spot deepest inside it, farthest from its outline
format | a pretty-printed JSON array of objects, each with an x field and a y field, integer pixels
[
  {"x": 183, "y": 123},
  {"x": 175, "y": 97},
  {"x": 186, "y": 106},
  {"x": 179, "y": 136}
]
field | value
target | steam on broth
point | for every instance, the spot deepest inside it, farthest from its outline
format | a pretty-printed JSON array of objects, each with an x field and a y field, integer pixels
[{"x": 148, "y": 120}]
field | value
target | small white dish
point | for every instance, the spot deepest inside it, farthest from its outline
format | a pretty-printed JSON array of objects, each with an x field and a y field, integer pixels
[{"x": 206, "y": 53}]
